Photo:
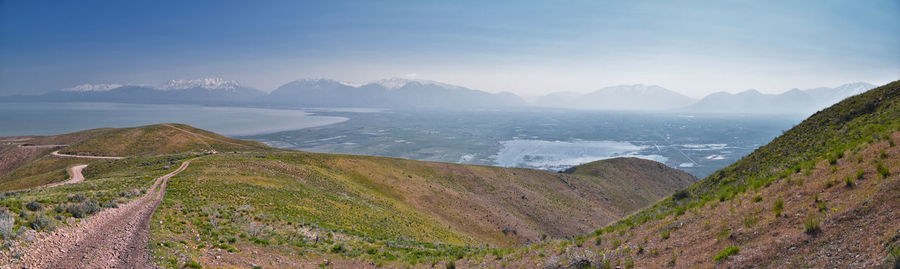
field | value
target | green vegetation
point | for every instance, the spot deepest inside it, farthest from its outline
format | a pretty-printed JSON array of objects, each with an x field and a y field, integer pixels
[
  {"x": 778, "y": 206},
  {"x": 845, "y": 125},
  {"x": 883, "y": 171},
  {"x": 811, "y": 225},
  {"x": 732, "y": 250},
  {"x": 105, "y": 181}
]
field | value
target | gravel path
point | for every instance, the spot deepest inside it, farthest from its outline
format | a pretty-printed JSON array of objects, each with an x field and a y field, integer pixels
[
  {"x": 77, "y": 176},
  {"x": 56, "y": 153},
  {"x": 114, "y": 238}
]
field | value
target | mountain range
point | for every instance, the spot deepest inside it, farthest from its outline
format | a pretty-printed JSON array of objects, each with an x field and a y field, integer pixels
[
  {"x": 821, "y": 195},
  {"x": 398, "y": 93},
  {"x": 623, "y": 97},
  {"x": 794, "y": 101}
]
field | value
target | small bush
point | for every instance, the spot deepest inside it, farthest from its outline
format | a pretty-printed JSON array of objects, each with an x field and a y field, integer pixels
[
  {"x": 811, "y": 225},
  {"x": 860, "y": 174},
  {"x": 192, "y": 264},
  {"x": 339, "y": 248},
  {"x": 681, "y": 194},
  {"x": 725, "y": 253},
  {"x": 91, "y": 207},
  {"x": 882, "y": 170},
  {"x": 7, "y": 222},
  {"x": 849, "y": 182},
  {"x": 59, "y": 209},
  {"x": 41, "y": 223},
  {"x": 750, "y": 221},
  {"x": 451, "y": 265},
  {"x": 757, "y": 199},
  {"x": 33, "y": 206},
  {"x": 778, "y": 206},
  {"x": 78, "y": 197},
  {"x": 665, "y": 234},
  {"x": 598, "y": 241}
]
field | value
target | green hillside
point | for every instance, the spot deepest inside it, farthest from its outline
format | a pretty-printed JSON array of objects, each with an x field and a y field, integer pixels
[
  {"x": 824, "y": 194},
  {"x": 240, "y": 198}
]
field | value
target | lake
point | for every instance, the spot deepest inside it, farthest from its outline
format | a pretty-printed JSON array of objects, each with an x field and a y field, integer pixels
[{"x": 57, "y": 118}]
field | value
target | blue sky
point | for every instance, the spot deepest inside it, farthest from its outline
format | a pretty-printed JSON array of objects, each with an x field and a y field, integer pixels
[{"x": 526, "y": 47}]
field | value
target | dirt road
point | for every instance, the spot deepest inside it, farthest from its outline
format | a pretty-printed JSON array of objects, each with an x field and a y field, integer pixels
[
  {"x": 76, "y": 176},
  {"x": 56, "y": 153},
  {"x": 114, "y": 238}
]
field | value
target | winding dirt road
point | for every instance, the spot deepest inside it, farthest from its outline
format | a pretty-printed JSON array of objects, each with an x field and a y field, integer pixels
[
  {"x": 76, "y": 176},
  {"x": 114, "y": 238},
  {"x": 56, "y": 153}
]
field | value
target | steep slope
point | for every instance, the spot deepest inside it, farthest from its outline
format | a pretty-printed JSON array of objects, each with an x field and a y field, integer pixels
[
  {"x": 623, "y": 97},
  {"x": 824, "y": 194}
]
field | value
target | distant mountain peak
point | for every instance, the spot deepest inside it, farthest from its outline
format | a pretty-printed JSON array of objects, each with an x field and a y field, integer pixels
[
  {"x": 204, "y": 83},
  {"x": 318, "y": 83},
  {"x": 87, "y": 87},
  {"x": 396, "y": 83}
]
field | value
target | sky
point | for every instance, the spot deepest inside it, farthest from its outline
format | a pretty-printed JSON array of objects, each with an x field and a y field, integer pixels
[{"x": 525, "y": 47}]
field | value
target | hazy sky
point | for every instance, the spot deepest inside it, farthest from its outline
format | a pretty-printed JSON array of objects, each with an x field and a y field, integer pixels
[{"x": 694, "y": 47}]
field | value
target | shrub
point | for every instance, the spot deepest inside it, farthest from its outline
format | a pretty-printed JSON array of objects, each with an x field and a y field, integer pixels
[
  {"x": 811, "y": 225},
  {"x": 882, "y": 170},
  {"x": 339, "y": 248},
  {"x": 749, "y": 221},
  {"x": 725, "y": 253},
  {"x": 192, "y": 264},
  {"x": 778, "y": 206},
  {"x": 757, "y": 198},
  {"x": 33, "y": 206},
  {"x": 83, "y": 209},
  {"x": 681, "y": 194},
  {"x": 109, "y": 204},
  {"x": 41, "y": 222},
  {"x": 451, "y": 265},
  {"x": 598, "y": 241},
  {"x": 78, "y": 197},
  {"x": 7, "y": 221},
  {"x": 59, "y": 209},
  {"x": 860, "y": 174},
  {"x": 849, "y": 182},
  {"x": 665, "y": 234},
  {"x": 579, "y": 241},
  {"x": 91, "y": 207}
]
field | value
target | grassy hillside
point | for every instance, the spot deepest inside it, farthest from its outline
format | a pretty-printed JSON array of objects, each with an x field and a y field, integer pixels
[
  {"x": 825, "y": 193},
  {"x": 383, "y": 210},
  {"x": 26, "y": 161},
  {"x": 300, "y": 208},
  {"x": 157, "y": 139}
]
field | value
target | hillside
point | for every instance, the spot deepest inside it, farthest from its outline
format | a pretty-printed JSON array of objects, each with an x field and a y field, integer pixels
[
  {"x": 27, "y": 161},
  {"x": 824, "y": 194},
  {"x": 247, "y": 198}
]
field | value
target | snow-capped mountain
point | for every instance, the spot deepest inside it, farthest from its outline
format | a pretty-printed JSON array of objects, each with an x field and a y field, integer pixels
[
  {"x": 203, "y": 83},
  {"x": 87, "y": 87},
  {"x": 206, "y": 91},
  {"x": 388, "y": 93},
  {"x": 396, "y": 83},
  {"x": 622, "y": 97}
]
